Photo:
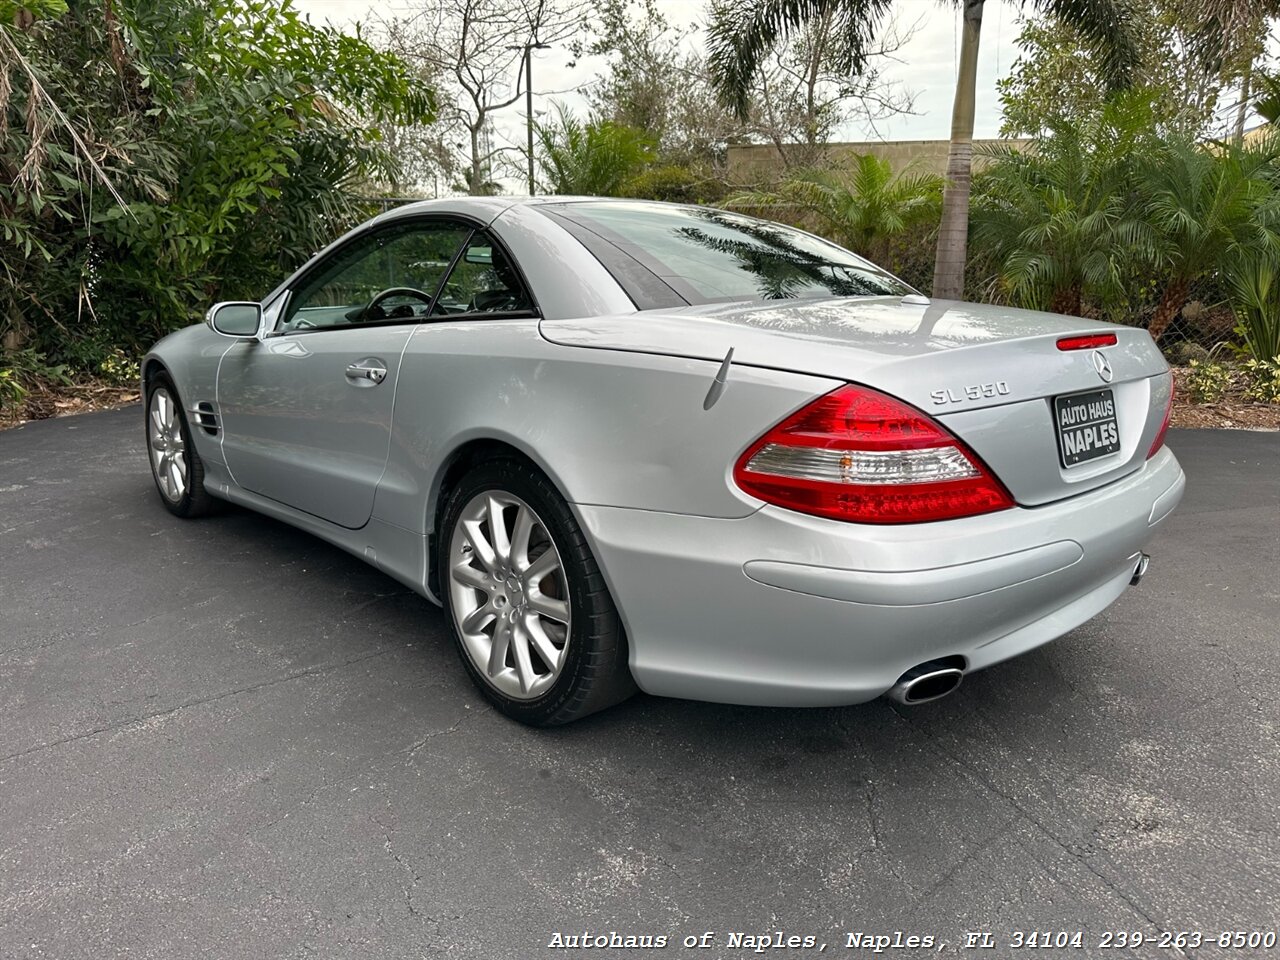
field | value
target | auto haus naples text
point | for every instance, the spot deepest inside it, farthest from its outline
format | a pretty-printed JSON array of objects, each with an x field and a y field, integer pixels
[
  {"x": 1088, "y": 425},
  {"x": 757, "y": 943}
]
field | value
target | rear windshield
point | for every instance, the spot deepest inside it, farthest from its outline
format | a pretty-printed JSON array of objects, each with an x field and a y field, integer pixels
[{"x": 707, "y": 255}]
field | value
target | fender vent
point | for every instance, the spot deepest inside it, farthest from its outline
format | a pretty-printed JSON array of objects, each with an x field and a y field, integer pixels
[{"x": 206, "y": 418}]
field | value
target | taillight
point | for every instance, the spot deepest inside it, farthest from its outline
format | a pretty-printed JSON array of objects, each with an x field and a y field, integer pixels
[
  {"x": 1158, "y": 442},
  {"x": 858, "y": 455}
]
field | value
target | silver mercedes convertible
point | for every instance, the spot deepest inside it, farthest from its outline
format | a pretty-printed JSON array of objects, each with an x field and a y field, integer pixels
[{"x": 631, "y": 444}]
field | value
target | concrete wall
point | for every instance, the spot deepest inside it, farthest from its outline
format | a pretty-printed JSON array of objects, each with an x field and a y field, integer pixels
[{"x": 754, "y": 163}]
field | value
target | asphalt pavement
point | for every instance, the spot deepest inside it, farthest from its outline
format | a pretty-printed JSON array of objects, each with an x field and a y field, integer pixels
[{"x": 225, "y": 738}]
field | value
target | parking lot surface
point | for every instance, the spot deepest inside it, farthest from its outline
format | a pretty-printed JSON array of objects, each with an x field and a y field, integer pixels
[{"x": 225, "y": 738}]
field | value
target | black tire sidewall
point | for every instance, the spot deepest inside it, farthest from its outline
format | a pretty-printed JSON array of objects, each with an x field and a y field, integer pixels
[
  {"x": 585, "y": 605},
  {"x": 189, "y": 504}
]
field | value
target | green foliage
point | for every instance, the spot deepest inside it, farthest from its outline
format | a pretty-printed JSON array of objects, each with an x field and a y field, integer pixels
[
  {"x": 36, "y": 9},
  {"x": 742, "y": 34},
  {"x": 1058, "y": 78},
  {"x": 120, "y": 369},
  {"x": 860, "y": 206},
  {"x": 1264, "y": 379},
  {"x": 24, "y": 370},
  {"x": 12, "y": 392},
  {"x": 674, "y": 184},
  {"x": 1062, "y": 219},
  {"x": 1212, "y": 210},
  {"x": 1267, "y": 101},
  {"x": 593, "y": 158},
  {"x": 1212, "y": 381},
  {"x": 234, "y": 133},
  {"x": 1254, "y": 281},
  {"x": 1209, "y": 381}
]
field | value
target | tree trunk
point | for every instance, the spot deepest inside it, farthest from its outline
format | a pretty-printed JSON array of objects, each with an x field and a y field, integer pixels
[
  {"x": 1171, "y": 301},
  {"x": 475, "y": 177},
  {"x": 1066, "y": 301},
  {"x": 1242, "y": 109},
  {"x": 14, "y": 326},
  {"x": 953, "y": 233}
]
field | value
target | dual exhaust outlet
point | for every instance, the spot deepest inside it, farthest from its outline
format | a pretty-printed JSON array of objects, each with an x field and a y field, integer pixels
[{"x": 934, "y": 679}]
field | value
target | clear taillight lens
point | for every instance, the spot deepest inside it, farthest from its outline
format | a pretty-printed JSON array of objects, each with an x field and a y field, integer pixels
[{"x": 858, "y": 455}]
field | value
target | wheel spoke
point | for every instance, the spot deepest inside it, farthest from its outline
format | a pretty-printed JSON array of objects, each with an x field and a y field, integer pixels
[
  {"x": 549, "y": 607},
  {"x": 498, "y": 649},
  {"x": 483, "y": 551},
  {"x": 524, "y": 665},
  {"x": 542, "y": 643},
  {"x": 466, "y": 574},
  {"x": 520, "y": 538},
  {"x": 498, "y": 529},
  {"x": 176, "y": 478},
  {"x": 538, "y": 570},
  {"x": 477, "y": 618}
]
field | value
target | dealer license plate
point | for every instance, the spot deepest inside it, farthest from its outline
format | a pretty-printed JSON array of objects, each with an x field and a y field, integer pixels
[{"x": 1087, "y": 427}]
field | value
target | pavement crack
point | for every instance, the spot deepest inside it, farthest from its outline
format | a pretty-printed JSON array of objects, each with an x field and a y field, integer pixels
[
  {"x": 423, "y": 741},
  {"x": 410, "y": 871},
  {"x": 976, "y": 776},
  {"x": 195, "y": 702}
]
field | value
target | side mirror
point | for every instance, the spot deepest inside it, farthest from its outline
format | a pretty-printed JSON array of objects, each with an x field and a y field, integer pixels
[{"x": 235, "y": 318}]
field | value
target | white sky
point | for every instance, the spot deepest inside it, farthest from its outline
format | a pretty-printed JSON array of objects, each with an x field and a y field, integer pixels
[{"x": 926, "y": 64}]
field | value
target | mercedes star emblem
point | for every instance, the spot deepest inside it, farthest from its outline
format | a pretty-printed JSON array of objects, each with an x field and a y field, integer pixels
[{"x": 1102, "y": 365}]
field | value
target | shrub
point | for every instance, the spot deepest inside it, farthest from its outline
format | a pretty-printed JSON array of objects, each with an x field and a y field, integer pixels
[
  {"x": 1264, "y": 379},
  {"x": 120, "y": 369},
  {"x": 674, "y": 184},
  {"x": 1209, "y": 381},
  {"x": 11, "y": 390}
]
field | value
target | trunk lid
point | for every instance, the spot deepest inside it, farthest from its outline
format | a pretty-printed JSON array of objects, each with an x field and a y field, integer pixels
[{"x": 989, "y": 374}]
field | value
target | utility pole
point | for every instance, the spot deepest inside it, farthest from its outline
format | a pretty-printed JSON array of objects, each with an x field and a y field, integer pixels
[{"x": 528, "y": 49}]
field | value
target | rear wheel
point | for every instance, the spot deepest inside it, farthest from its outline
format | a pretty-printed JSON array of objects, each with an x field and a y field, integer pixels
[
  {"x": 175, "y": 465},
  {"x": 530, "y": 612}
]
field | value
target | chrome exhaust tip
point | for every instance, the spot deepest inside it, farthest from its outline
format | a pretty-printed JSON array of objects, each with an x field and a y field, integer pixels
[
  {"x": 926, "y": 682},
  {"x": 1140, "y": 570}
]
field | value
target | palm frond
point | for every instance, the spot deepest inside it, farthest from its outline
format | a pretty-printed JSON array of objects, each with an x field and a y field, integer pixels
[{"x": 740, "y": 35}]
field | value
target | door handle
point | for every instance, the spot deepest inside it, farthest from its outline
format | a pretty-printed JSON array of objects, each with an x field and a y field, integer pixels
[{"x": 358, "y": 371}]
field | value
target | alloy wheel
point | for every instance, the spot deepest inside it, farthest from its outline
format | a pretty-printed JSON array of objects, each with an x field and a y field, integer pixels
[
  {"x": 509, "y": 594},
  {"x": 168, "y": 449}
]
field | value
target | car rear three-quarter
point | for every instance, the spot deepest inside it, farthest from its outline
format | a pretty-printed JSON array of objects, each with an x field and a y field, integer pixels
[{"x": 637, "y": 444}]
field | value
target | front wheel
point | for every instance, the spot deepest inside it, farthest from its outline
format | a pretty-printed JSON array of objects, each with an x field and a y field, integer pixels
[
  {"x": 529, "y": 610},
  {"x": 175, "y": 466}
]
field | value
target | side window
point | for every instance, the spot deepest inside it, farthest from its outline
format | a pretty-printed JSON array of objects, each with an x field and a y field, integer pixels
[
  {"x": 392, "y": 274},
  {"x": 483, "y": 281}
]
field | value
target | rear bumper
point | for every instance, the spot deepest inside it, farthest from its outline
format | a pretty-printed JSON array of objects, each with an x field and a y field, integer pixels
[{"x": 782, "y": 609}]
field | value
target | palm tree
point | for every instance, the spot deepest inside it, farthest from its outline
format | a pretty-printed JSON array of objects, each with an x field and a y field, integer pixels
[
  {"x": 1062, "y": 219},
  {"x": 595, "y": 158},
  {"x": 861, "y": 206},
  {"x": 742, "y": 33},
  {"x": 1209, "y": 210}
]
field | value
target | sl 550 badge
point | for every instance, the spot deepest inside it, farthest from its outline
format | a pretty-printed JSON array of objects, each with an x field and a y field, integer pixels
[{"x": 977, "y": 391}]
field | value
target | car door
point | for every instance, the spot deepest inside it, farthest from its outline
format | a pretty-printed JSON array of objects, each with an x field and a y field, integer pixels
[{"x": 306, "y": 411}]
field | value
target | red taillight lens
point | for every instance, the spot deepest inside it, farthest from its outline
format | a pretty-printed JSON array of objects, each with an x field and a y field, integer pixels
[
  {"x": 1158, "y": 442},
  {"x": 861, "y": 456},
  {"x": 1092, "y": 341}
]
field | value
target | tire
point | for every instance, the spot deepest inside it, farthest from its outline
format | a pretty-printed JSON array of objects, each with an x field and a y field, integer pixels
[
  {"x": 513, "y": 611},
  {"x": 176, "y": 468}
]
